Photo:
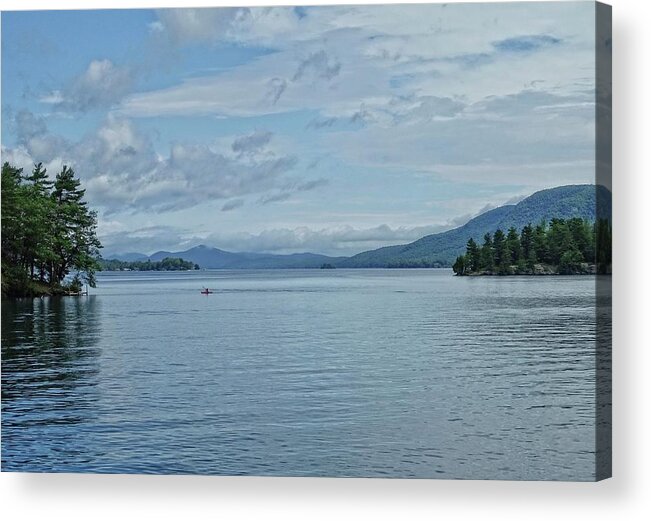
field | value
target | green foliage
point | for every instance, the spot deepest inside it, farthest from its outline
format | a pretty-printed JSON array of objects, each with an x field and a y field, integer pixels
[
  {"x": 587, "y": 202},
  {"x": 75, "y": 285},
  {"x": 167, "y": 264},
  {"x": 540, "y": 246},
  {"x": 570, "y": 262},
  {"x": 501, "y": 252},
  {"x": 566, "y": 246},
  {"x": 460, "y": 265},
  {"x": 603, "y": 246},
  {"x": 513, "y": 244},
  {"x": 473, "y": 254},
  {"x": 47, "y": 232},
  {"x": 486, "y": 255},
  {"x": 527, "y": 249},
  {"x": 414, "y": 263}
]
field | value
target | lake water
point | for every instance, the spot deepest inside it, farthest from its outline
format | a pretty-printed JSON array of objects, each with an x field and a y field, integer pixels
[{"x": 382, "y": 373}]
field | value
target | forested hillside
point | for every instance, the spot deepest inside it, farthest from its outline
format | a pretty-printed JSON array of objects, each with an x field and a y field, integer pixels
[
  {"x": 564, "y": 247},
  {"x": 587, "y": 202}
]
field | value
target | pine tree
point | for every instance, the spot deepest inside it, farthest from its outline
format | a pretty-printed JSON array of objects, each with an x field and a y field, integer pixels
[
  {"x": 513, "y": 243},
  {"x": 502, "y": 253},
  {"x": 473, "y": 255},
  {"x": 527, "y": 245},
  {"x": 603, "y": 232},
  {"x": 460, "y": 265},
  {"x": 541, "y": 250},
  {"x": 559, "y": 240},
  {"x": 567, "y": 245},
  {"x": 583, "y": 237},
  {"x": 47, "y": 231},
  {"x": 76, "y": 245},
  {"x": 13, "y": 215},
  {"x": 486, "y": 254},
  {"x": 38, "y": 240}
]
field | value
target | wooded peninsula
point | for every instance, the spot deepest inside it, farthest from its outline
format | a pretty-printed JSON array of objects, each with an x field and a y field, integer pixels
[
  {"x": 562, "y": 247},
  {"x": 167, "y": 264},
  {"x": 48, "y": 233}
]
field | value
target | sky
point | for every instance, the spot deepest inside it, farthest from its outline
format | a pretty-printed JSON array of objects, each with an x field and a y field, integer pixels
[{"x": 331, "y": 129}]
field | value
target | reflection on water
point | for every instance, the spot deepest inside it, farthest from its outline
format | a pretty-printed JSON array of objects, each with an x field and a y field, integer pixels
[
  {"x": 50, "y": 367},
  {"x": 405, "y": 373},
  {"x": 603, "y": 362}
]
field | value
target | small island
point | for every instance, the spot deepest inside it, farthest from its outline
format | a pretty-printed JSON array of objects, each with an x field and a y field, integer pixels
[
  {"x": 560, "y": 247},
  {"x": 167, "y": 264}
]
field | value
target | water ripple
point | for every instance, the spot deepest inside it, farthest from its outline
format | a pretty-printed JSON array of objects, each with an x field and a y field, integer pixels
[{"x": 401, "y": 373}]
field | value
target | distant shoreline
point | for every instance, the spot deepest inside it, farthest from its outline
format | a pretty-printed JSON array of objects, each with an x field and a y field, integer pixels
[
  {"x": 60, "y": 292},
  {"x": 443, "y": 268},
  {"x": 167, "y": 264}
]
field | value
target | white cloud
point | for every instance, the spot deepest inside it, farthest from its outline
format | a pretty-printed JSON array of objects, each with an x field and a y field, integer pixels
[
  {"x": 101, "y": 85},
  {"x": 232, "y": 205},
  {"x": 427, "y": 87},
  {"x": 122, "y": 171},
  {"x": 147, "y": 239},
  {"x": 496, "y": 93},
  {"x": 342, "y": 240},
  {"x": 256, "y": 26},
  {"x": 532, "y": 137},
  {"x": 185, "y": 26},
  {"x": 337, "y": 240},
  {"x": 252, "y": 143},
  {"x": 27, "y": 125},
  {"x": 420, "y": 50}
]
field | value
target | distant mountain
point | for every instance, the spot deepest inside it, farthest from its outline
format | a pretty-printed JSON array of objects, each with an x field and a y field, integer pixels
[
  {"x": 563, "y": 202},
  {"x": 127, "y": 257},
  {"x": 214, "y": 258},
  {"x": 440, "y": 249}
]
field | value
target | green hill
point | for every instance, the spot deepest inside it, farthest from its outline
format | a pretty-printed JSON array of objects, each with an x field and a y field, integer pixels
[{"x": 440, "y": 249}]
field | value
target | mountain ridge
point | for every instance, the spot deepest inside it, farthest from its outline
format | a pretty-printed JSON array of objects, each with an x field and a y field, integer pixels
[
  {"x": 215, "y": 258},
  {"x": 563, "y": 202},
  {"x": 434, "y": 250}
]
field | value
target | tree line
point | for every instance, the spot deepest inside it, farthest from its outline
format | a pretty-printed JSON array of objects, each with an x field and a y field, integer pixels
[
  {"x": 564, "y": 246},
  {"x": 48, "y": 232},
  {"x": 167, "y": 264}
]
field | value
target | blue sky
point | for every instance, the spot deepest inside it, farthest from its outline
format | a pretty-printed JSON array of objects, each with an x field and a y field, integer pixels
[{"x": 326, "y": 129}]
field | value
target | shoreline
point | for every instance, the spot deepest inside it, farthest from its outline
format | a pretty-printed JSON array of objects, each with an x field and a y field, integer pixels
[
  {"x": 550, "y": 271},
  {"x": 537, "y": 270}
]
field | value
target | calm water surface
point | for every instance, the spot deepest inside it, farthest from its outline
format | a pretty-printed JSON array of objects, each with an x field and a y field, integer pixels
[{"x": 403, "y": 373}]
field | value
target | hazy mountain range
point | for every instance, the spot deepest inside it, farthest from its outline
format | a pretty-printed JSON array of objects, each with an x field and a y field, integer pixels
[{"x": 439, "y": 249}]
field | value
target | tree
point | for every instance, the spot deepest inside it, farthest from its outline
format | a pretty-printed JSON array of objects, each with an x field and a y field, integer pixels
[
  {"x": 486, "y": 254},
  {"x": 14, "y": 201},
  {"x": 541, "y": 251},
  {"x": 513, "y": 243},
  {"x": 167, "y": 264},
  {"x": 528, "y": 251},
  {"x": 566, "y": 246},
  {"x": 559, "y": 240},
  {"x": 460, "y": 265},
  {"x": 502, "y": 252},
  {"x": 473, "y": 255},
  {"x": 603, "y": 232},
  {"x": 570, "y": 262},
  {"x": 583, "y": 237},
  {"x": 47, "y": 231},
  {"x": 38, "y": 240},
  {"x": 75, "y": 242}
]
